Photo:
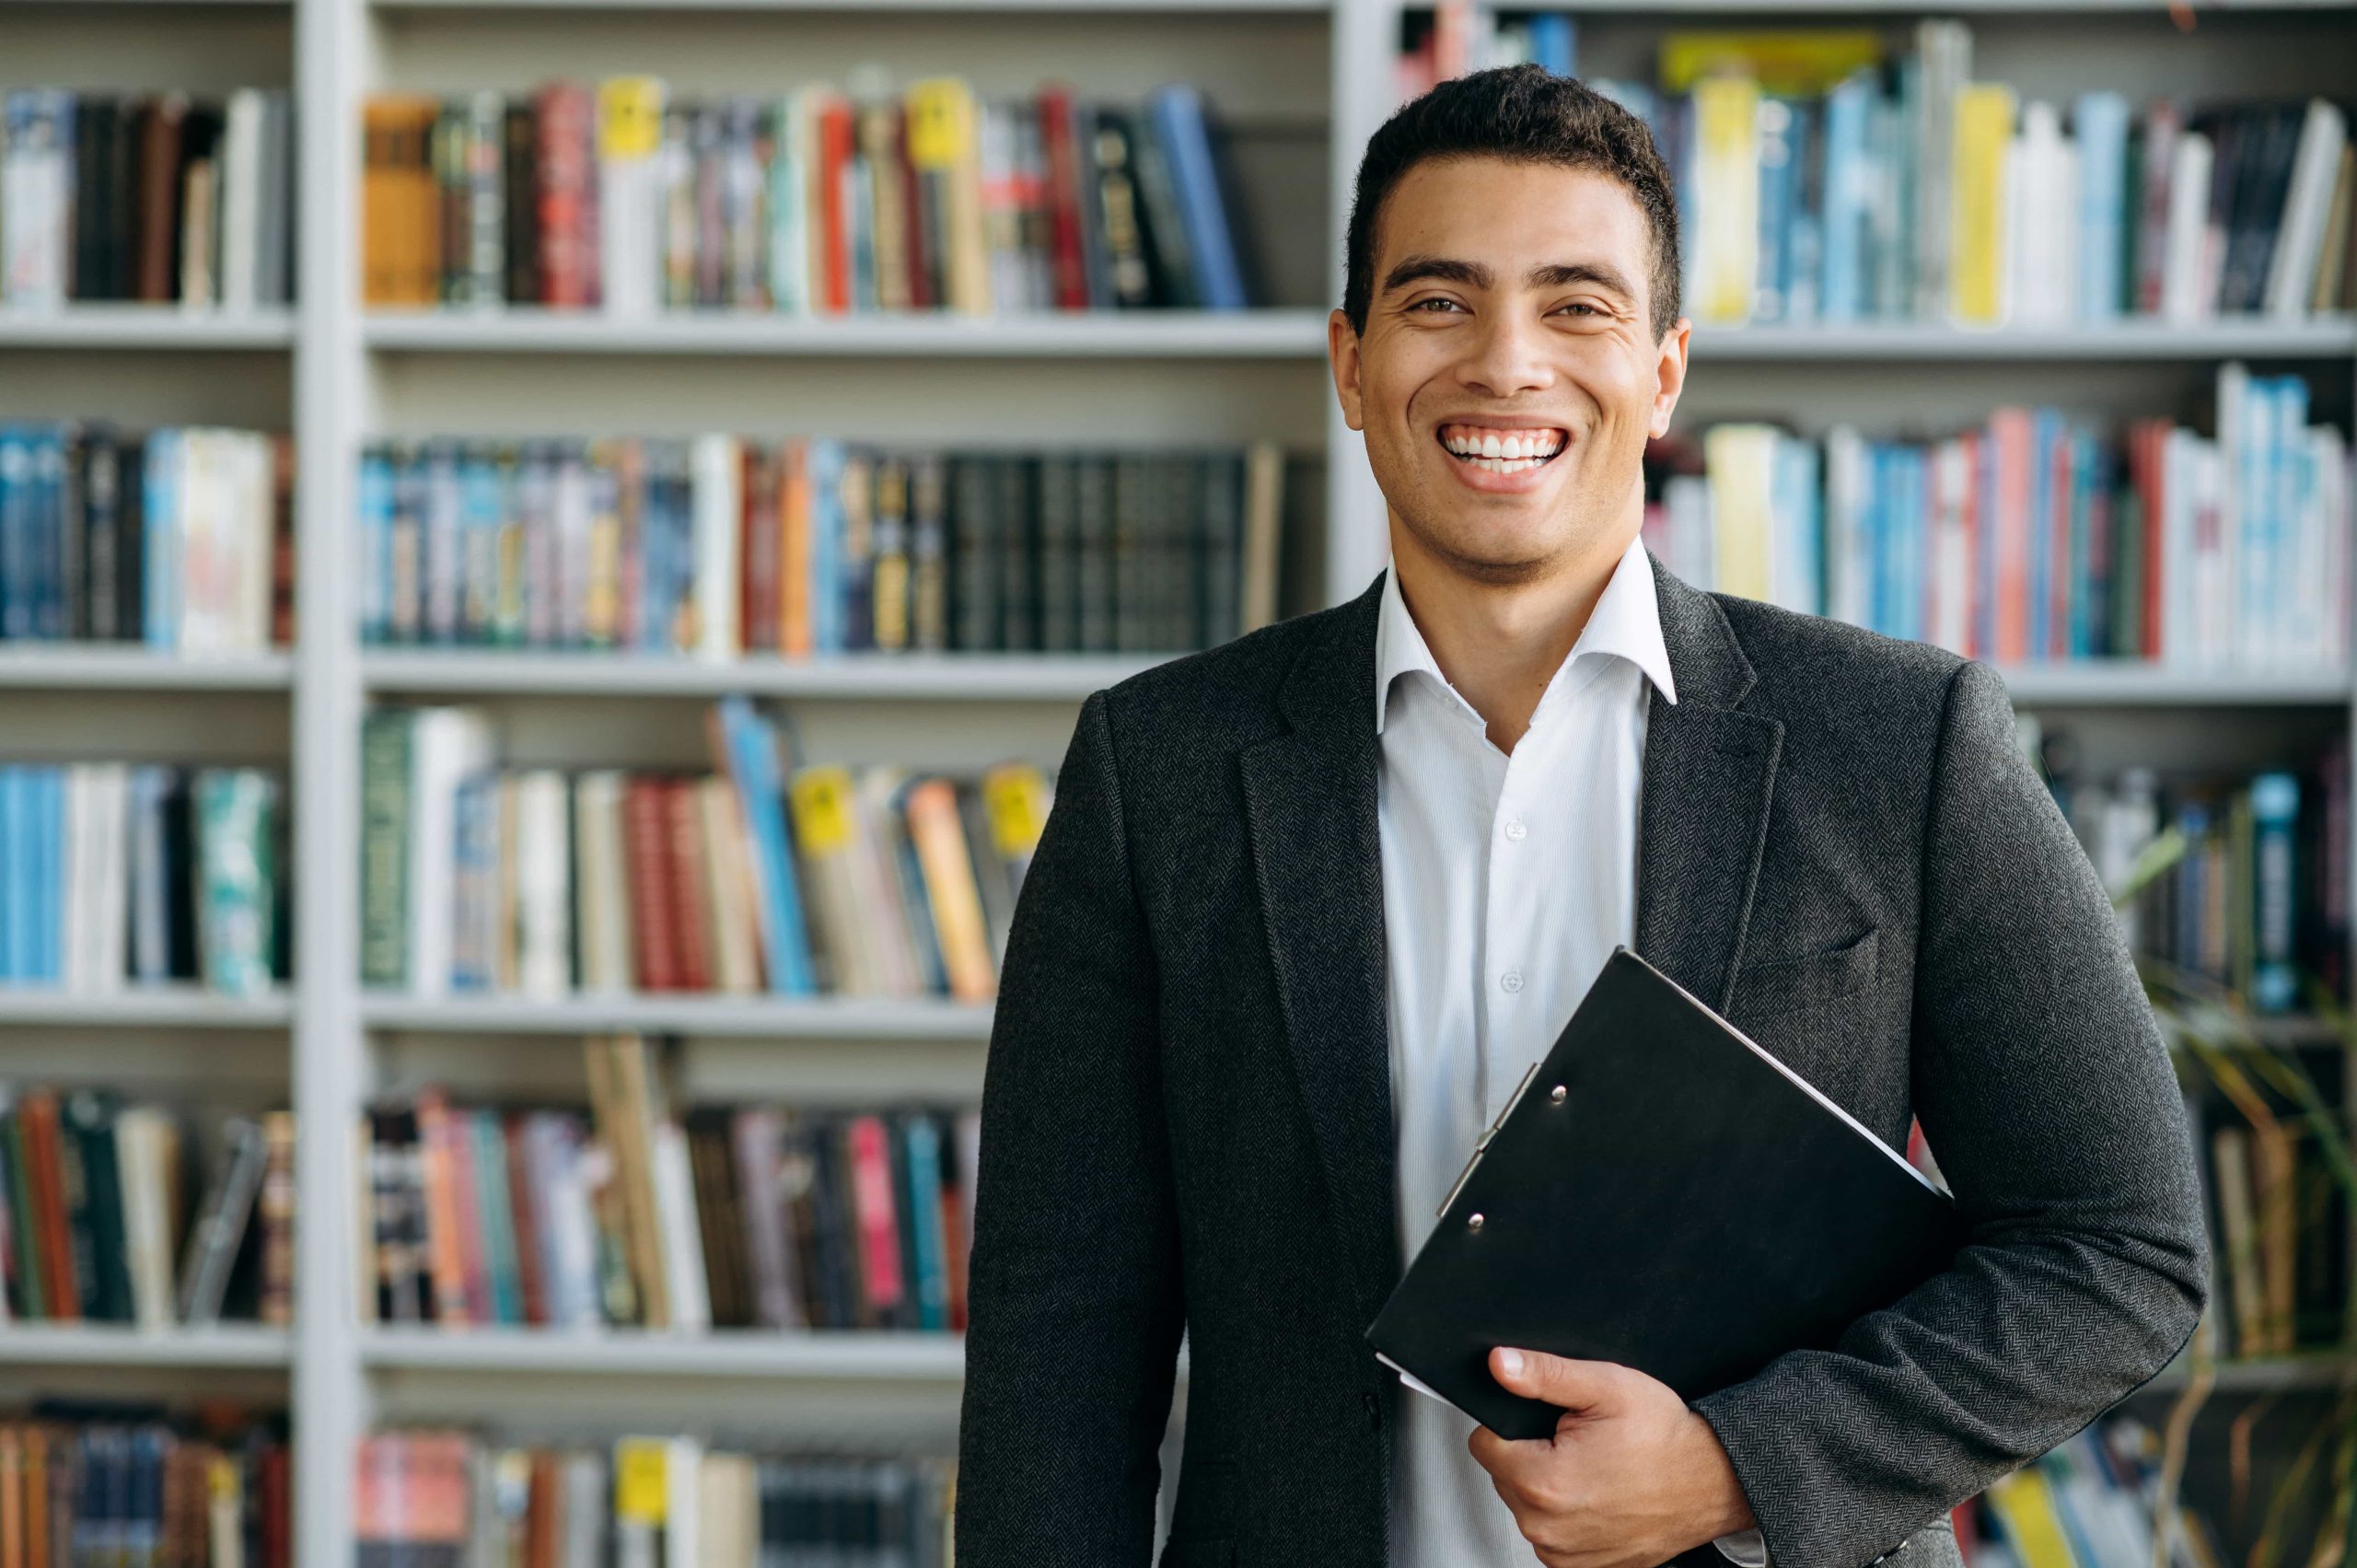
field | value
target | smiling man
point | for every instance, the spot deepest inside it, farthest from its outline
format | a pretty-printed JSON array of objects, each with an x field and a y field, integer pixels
[{"x": 1308, "y": 903}]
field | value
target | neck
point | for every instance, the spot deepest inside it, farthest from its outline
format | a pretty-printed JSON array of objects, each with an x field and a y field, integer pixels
[{"x": 1500, "y": 643}]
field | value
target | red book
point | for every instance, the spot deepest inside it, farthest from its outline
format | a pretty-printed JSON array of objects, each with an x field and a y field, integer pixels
[
  {"x": 1063, "y": 198},
  {"x": 565, "y": 123},
  {"x": 2009, "y": 427},
  {"x": 690, "y": 885},
  {"x": 879, "y": 1236},
  {"x": 835, "y": 147},
  {"x": 629, "y": 525},
  {"x": 51, "y": 1233},
  {"x": 923, "y": 245},
  {"x": 2061, "y": 525},
  {"x": 646, "y": 846},
  {"x": 757, "y": 547}
]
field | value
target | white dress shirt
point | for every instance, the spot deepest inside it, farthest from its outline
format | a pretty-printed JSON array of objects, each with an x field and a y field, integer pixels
[{"x": 1507, "y": 881}]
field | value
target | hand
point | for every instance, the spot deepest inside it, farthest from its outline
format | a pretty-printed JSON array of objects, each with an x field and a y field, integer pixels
[{"x": 1631, "y": 1477}]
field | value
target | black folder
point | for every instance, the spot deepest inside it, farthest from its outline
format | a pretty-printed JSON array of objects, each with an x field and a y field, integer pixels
[{"x": 1661, "y": 1192}]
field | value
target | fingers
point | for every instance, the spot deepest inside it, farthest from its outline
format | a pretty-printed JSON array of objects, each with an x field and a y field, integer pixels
[{"x": 1561, "y": 1381}]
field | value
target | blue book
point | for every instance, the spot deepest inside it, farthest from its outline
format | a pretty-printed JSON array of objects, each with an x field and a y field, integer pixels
[
  {"x": 2192, "y": 887},
  {"x": 921, "y": 1146},
  {"x": 1554, "y": 42},
  {"x": 16, "y": 878},
  {"x": 914, "y": 897},
  {"x": 1176, "y": 114},
  {"x": 159, "y": 527},
  {"x": 752, "y": 747},
  {"x": 2289, "y": 464},
  {"x": 478, "y": 522},
  {"x": 825, "y": 462},
  {"x": 376, "y": 507},
  {"x": 474, "y": 881},
  {"x": 47, "y": 546},
  {"x": 46, "y": 826},
  {"x": 2099, "y": 128},
  {"x": 1778, "y": 167},
  {"x": 2094, "y": 545},
  {"x": 1796, "y": 576},
  {"x": 498, "y": 1217},
  {"x": 442, "y": 555},
  {"x": 1883, "y": 524},
  {"x": 16, "y": 531},
  {"x": 1803, "y": 239},
  {"x": 2275, "y": 813},
  {"x": 1847, "y": 110},
  {"x": 2046, "y": 434}
]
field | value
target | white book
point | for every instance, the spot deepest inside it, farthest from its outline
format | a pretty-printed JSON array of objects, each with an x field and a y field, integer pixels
[
  {"x": 73, "y": 870},
  {"x": 36, "y": 198},
  {"x": 717, "y": 478},
  {"x": 1951, "y": 566},
  {"x": 107, "y": 818},
  {"x": 147, "y": 1150},
  {"x": 1687, "y": 498},
  {"x": 2233, "y": 502},
  {"x": 2330, "y": 474},
  {"x": 731, "y": 902},
  {"x": 2188, "y": 291},
  {"x": 544, "y": 886},
  {"x": 447, "y": 746},
  {"x": 573, "y": 502},
  {"x": 2299, "y": 237},
  {"x": 681, "y": 1518},
  {"x": 728, "y": 1518},
  {"x": 602, "y": 897},
  {"x": 682, "y": 1241},
  {"x": 585, "y": 1509},
  {"x": 1848, "y": 574},
  {"x": 241, "y": 162},
  {"x": 631, "y": 194}
]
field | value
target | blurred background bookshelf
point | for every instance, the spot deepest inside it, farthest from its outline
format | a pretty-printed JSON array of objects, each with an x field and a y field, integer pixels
[{"x": 277, "y": 675}]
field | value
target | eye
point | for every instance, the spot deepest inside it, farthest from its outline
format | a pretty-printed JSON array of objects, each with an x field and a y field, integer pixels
[
  {"x": 1582, "y": 306},
  {"x": 1435, "y": 299}
]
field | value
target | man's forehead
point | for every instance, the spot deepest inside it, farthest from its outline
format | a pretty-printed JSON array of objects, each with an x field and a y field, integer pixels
[{"x": 1561, "y": 206}]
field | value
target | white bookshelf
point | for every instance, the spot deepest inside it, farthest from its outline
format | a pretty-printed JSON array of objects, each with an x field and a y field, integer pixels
[{"x": 337, "y": 375}]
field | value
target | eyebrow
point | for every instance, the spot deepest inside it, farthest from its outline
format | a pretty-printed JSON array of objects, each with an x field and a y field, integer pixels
[{"x": 1473, "y": 275}]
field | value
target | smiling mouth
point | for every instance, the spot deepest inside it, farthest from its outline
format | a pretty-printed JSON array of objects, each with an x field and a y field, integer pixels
[{"x": 1495, "y": 450}]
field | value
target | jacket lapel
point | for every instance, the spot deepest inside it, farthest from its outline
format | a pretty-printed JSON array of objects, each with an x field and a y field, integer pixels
[
  {"x": 1702, "y": 821},
  {"x": 1310, "y": 805}
]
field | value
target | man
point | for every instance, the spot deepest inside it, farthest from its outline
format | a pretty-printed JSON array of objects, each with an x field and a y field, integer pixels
[{"x": 1308, "y": 903}]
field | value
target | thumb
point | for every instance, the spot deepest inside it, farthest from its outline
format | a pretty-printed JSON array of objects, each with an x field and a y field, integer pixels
[{"x": 1561, "y": 1381}]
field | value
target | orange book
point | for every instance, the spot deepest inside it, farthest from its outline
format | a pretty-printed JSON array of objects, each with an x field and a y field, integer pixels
[
  {"x": 12, "y": 1497},
  {"x": 2009, "y": 428},
  {"x": 832, "y": 286},
  {"x": 37, "y": 1544},
  {"x": 794, "y": 632},
  {"x": 36, "y": 1115},
  {"x": 445, "y": 1261},
  {"x": 950, "y": 890}
]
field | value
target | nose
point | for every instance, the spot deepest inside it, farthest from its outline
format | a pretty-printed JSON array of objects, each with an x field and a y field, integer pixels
[{"x": 1506, "y": 356}]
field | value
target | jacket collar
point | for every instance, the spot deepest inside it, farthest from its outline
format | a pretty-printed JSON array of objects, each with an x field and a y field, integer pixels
[{"x": 1310, "y": 808}]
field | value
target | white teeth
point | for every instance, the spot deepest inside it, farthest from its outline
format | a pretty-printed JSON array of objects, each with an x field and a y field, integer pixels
[
  {"x": 1492, "y": 447},
  {"x": 1511, "y": 447}
]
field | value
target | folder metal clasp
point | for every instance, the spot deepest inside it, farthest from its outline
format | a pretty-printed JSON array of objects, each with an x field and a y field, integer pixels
[{"x": 1483, "y": 1143}]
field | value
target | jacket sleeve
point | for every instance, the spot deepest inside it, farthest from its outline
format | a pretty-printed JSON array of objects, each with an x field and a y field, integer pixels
[
  {"x": 2042, "y": 1085},
  {"x": 1074, "y": 1301}
]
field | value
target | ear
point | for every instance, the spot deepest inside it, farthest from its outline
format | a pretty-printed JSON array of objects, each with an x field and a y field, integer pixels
[
  {"x": 1670, "y": 375},
  {"x": 1342, "y": 357}
]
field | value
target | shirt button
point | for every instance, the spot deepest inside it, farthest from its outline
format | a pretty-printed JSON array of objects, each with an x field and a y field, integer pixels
[
  {"x": 1516, "y": 830},
  {"x": 1511, "y": 980}
]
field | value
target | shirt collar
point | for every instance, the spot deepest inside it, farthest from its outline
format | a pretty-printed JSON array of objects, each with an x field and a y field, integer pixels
[{"x": 1626, "y": 621}]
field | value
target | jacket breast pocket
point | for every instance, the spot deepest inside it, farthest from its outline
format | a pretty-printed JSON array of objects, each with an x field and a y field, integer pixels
[{"x": 1770, "y": 986}]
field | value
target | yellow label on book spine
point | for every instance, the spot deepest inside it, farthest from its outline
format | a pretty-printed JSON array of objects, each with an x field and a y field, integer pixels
[
  {"x": 641, "y": 1467},
  {"x": 1011, "y": 795},
  {"x": 1976, "y": 197},
  {"x": 822, "y": 809},
  {"x": 630, "y": 117},
  {"x": 940, "y": 122}
]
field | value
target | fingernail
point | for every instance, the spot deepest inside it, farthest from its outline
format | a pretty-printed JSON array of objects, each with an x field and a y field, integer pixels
[{"x": 1510, "y": 1362}]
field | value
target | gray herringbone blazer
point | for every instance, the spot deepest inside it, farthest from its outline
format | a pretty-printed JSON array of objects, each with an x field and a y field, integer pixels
[{"x": 1187, "y": 1116}]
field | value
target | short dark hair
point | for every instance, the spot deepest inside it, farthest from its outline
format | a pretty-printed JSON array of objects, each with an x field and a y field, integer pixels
[{"x": 1525, "y": 114}]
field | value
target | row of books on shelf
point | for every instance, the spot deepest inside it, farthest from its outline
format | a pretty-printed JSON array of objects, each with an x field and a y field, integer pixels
[
  {"x": 2097, "y": 1500},
  {"x": 721, "y": 545},
  {"x": 100, "y": 1221},
  {"x": 769, "y": 1216},
  {"x": 128, "y": 1484},
  {"x": 1453, "y": 38},
  {"x": 116, "y": 875},
  {"x": 2035, "y": 538},
  {"x": 1821, "y": 178},
  {"x": 770, "y": 874},
  {"x": 159, "y": 197},
  {"x": 816, "y": 201},
  {"x": 2243, "y": 882},
  {"x": 444, "y": 1498},
  {"x": 2281, "y": 1235},
  {"x": 181, "y": 539}
]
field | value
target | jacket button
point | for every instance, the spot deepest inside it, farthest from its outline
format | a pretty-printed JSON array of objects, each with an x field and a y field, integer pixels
[{"x": 1374, "y": 1409}]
